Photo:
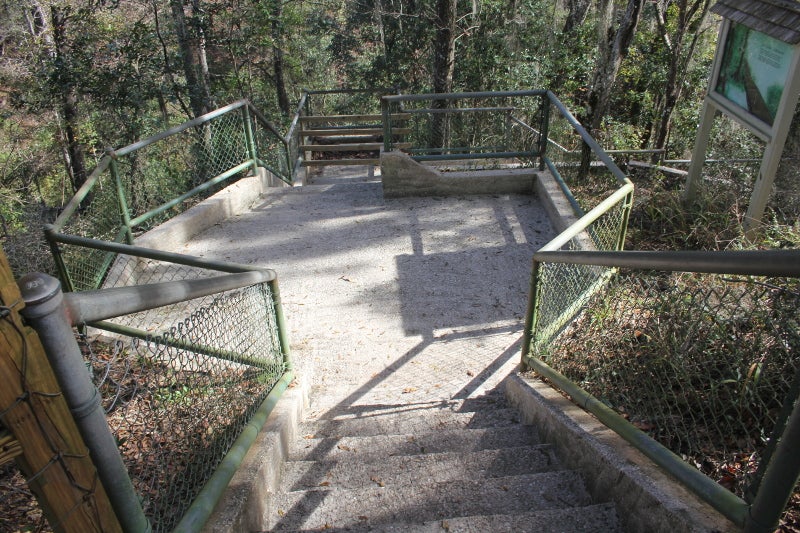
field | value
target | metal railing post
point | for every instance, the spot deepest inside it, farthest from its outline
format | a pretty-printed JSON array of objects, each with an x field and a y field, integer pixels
[
  {"x": 283, "y": 330},
  {"x": 780, "y": 479},
  {"x": 623, "y": 226},
  {"x": 46, "y": 313},
  {"x": 123, "y": 202},
  {"x": 532, "y": 312},
  {"x": 544, "y": 126},
  {"x": 58, "y": 258},
  {"x": 387, "y": 125},
  {"x": 250, "y": 138}
]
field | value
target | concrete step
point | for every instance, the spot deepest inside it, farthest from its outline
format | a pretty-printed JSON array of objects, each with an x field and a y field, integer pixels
[
  {"x": 309, "y": 448},
  {"x": 325, "y": 508},
  {"x": 411, "y": 421},
  {"x": 601, "y": 518},
  {"x": 354, "y": 472},
  {"x": 588, "y": 519}
]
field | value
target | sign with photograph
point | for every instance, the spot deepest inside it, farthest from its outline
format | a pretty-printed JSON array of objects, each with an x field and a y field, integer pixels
[{"x": 754, "y": 71}]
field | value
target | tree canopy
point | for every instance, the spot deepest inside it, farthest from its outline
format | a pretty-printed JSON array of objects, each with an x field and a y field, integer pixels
[{"x": 77, "y": 76}]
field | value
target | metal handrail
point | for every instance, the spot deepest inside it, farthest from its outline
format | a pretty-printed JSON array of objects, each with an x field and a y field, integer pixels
[
  {"x": 75, "y": 202},
  {"x": 778, "y": 263},
  {"x": 102, "y": 304},
  {"x": 113, "y": 154},
  {"x": 295, "y": 121},
  {"x": 454, "y": 96},
  {"x": 586, "y": 220},
  {"x": 500, "y": 153},
  {"x": 178, "y": 129},
  {"x": 53, "y": 314},
  {"x": 588, "y": 139},
  {"x": 783, "y": 466}
]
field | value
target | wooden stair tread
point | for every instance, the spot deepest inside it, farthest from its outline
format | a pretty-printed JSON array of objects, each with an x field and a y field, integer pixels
[
  {"x": 349, "y": 147},
  {"x": 330, "y": 132},
  {"x": 351, "y": 118},
  {"x": 331, "y": 162}
]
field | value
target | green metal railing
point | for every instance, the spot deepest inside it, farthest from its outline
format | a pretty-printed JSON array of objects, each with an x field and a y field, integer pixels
[
  {"x": 134, "y": 188},
  {"x": 477, "y": 126},
  {"x": 692, "y": 357},
  {"x": 187, "y": 358},
  {"x": 686, "y": 355}
]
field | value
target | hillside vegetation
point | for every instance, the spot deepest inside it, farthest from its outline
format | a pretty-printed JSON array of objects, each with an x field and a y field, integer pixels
[{"x": 79, "y": 76}]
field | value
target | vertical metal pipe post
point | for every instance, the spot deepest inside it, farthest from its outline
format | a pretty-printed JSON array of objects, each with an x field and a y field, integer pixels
[
  {"x": 544, "y": 126},
  {"x": 507, "y": 125},
  {"x": 250, "y": 138},
  {"x": 46, "y": 313},
  {"x": 283, "y": 331},
  {"x": 55, "y": 249},
  {"x": 387, "y": 125},
  {"x": 123, "y": 203},
  {"x": 623, "y": 226},
  {"x": 779, "y": 480},
  {"x": 532, "y": 313}
]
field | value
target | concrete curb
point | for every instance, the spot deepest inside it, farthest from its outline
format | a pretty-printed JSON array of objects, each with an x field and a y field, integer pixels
[
  {"x": 402, "y": 176},
  {"x": 555, "y": 202},
  {"x": 232, "y": 200},
  {"x": 242, "y": 507},
  {"x": 647, "y": 499}
]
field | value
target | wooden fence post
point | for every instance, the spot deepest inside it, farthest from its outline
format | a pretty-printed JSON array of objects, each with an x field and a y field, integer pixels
[{"x": 54, "y": 458}]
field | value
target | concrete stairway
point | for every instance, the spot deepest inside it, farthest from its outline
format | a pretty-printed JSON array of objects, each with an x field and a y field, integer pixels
[{"x": 457, "y": 465}]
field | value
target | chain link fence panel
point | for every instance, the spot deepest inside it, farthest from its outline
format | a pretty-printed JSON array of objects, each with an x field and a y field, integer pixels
[
  {"x": 705, "y": 364},
  {"x": 180, "y": 382},
  {"x": 464, "y": 127}
]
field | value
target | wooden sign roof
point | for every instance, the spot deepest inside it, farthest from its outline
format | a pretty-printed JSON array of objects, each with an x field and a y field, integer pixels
[{"x": 777, "y": 18}]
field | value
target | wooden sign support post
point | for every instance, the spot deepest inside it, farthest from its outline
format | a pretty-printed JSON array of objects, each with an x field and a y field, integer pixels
[{"x": 756, "y": 81}]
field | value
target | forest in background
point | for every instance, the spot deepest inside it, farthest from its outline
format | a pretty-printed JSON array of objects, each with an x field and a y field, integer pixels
[{"x": 80, "y": 76}]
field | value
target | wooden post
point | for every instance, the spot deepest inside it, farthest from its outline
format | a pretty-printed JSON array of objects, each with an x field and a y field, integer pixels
[{"x": 54, "y": 458}]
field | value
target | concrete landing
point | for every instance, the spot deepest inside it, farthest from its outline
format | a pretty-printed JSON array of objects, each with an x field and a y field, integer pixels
[
  {"x": 396, "y": 307},
  {"x": 392, "y": 301}
]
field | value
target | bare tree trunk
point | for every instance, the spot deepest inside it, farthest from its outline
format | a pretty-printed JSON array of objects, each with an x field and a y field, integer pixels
[
  {"x": 690, "y": 21},
  {"x": 578, "y": 11},
  {"x": 198, "y": 15},
  {"x": 167, "y": 66},
  {"x": 73, "y": 149},
  {"x": 191, "y": 61},
  {"x": 444, "y": 54},
  {"x": 614, "y": 42},
  {"x": 278, "y": 59}
]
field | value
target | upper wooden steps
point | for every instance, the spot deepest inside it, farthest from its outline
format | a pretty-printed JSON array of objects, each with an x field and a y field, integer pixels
[
  {"x": 349, "y": 147},
  {"x": 352, "y": 118},
  {"x": 353, "y": 134},
  {"x": 339, "y": 162},
  {"x": 354, "y": 131}
]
